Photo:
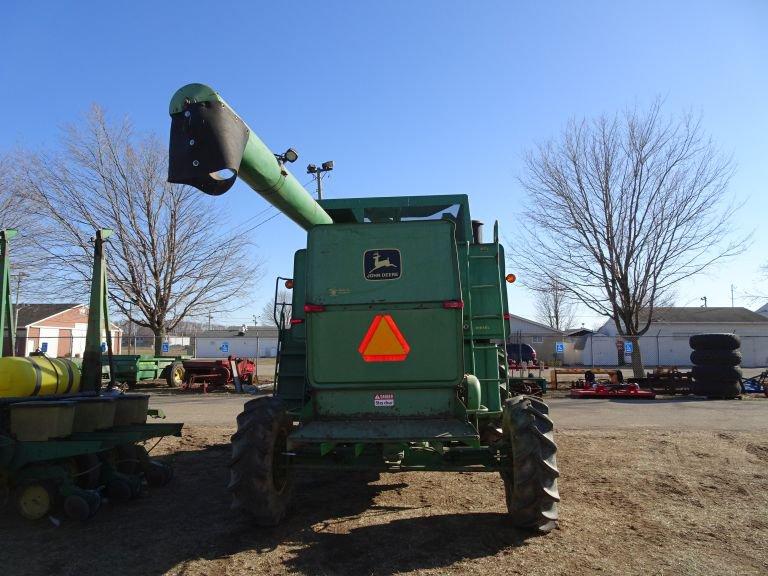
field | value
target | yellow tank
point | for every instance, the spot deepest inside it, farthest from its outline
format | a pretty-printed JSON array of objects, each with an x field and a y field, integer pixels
[{"x": 37, "y": 376}]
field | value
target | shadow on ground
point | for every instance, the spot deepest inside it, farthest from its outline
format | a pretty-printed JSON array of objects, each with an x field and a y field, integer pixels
[{"x": 190, "y": 519}]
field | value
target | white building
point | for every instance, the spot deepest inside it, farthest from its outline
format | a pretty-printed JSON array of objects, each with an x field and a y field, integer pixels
[
  {"x": 543, "y": 339},
  {"x": 253, "y": 342},
  {"x": 666, "y": 341}
]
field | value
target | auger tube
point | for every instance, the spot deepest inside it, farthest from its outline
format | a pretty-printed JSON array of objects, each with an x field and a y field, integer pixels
[{"x": 211, "y": 146}]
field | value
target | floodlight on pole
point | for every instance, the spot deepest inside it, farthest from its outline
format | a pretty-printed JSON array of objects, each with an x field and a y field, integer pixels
[{"x": 318, "y": 175}]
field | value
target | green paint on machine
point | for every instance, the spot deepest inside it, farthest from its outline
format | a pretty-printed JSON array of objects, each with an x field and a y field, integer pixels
[{"x": 394, "y": 359}]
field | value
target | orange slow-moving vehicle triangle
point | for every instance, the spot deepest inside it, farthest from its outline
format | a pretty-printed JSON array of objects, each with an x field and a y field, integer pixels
[{"x": 383, "y": 342}]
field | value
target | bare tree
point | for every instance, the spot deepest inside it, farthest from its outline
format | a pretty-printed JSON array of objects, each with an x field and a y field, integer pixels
[
  {"x": 270, "y": 314},
  {"x": 553, "y": 304},
  {"x": 171, "y": 257},
  {"x": 623, "y": 208},
  {"x": 27, "y": 274}
]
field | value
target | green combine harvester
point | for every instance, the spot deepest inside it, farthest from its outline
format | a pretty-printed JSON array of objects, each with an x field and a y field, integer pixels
[
  {"x": 394, "y": 359},
  {"x": 65, "y": 442}
]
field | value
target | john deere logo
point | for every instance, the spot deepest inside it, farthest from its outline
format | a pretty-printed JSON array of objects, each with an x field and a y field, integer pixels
[{"x": 383, "y": 264}]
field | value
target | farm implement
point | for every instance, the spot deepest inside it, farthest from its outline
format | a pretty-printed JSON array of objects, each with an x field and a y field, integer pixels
[
  {"x": 756, "y": 384},
  {"x": 202, "y": 374},
  {"x": 615, "y": 387},
  {"x": 607, "y": 390},
  {"x": 394, "y": 357},
  {"x": 65, "y": 442}
]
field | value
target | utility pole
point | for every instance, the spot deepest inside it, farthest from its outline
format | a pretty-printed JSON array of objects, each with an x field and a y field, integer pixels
[
  {"x": 210, "y": 316},
  {"x": 732, "y": 306},
  {"x": 131, "y": 339},
  {"x": 317, "y": 173},
  {"x": 19, "y": 276}
]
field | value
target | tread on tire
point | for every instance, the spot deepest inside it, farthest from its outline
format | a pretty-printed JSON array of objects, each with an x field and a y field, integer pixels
[
  {"x": 530, "y": 485},
  {"x": 717, "y": 389},
  {"x": 715, "y": 341},
  {"x": 261, "y": 483},
  {"x": 715, "y": 373},
  {"x": 716, "y": 357}
]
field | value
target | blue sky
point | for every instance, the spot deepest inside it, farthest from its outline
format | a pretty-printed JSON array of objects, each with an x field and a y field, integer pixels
[{"x": 406, "y": 97}]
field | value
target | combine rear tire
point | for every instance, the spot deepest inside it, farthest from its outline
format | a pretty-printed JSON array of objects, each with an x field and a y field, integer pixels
[
  {"x": 530, "y": 484},
  {"x": 261, "y": 481}
]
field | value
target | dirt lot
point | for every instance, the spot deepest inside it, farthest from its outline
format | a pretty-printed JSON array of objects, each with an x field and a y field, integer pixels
[{"x": 635, "y": 501}]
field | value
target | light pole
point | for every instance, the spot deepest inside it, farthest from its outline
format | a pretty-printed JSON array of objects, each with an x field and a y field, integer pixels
[
  {"x": 19, "y": 276},
  {"x": 318, "y": 175}
]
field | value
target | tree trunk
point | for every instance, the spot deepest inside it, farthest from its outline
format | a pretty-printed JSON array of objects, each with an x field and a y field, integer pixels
[
  {"x": 637, "y": 360},
  {"x": 159, "y": 339},
  {"x": 620, "y": 356}
]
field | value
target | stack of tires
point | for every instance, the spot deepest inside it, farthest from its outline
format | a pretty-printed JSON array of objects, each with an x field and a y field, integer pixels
[{"x": 716, "y": 359}]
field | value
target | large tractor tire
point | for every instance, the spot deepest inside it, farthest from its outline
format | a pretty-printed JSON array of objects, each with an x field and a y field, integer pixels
[
  {"x": 717, "y": 389},
  {"x": 530, "y": 484},
  {"x": 716, "y": 357},
  {"x": 261, "y": 481},
  {"x": 716, "y": 373},
  {"x": 714, "y": 341}
]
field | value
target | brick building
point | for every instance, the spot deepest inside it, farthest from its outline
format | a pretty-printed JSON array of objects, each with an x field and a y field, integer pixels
[{"x": 56, "y": 329}]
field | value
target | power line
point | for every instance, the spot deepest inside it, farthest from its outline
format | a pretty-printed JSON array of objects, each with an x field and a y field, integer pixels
[
  {"x": 252, "y": 228},
  {"x": 269, "y": 207}
]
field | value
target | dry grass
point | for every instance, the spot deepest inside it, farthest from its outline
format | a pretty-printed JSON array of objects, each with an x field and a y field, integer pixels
[{"x": 633, "y": 503}]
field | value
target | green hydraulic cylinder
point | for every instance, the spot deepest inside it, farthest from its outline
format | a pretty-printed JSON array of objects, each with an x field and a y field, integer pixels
[
  {"x": 7, "y": 317},
  {"x": 98, "y": 319},
  {"x": 211, "y": 146}
]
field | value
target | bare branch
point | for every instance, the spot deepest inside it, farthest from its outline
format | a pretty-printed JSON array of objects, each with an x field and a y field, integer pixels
[
  {"x": 621, "y": 209},
  {"x": 169, "y": 259}
]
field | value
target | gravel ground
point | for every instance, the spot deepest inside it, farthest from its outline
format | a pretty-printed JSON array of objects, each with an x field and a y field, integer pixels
[{"x": 635, "y": 501}]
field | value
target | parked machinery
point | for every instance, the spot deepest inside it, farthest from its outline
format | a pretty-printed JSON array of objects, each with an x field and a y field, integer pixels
[
  {"x": 390, "y": 361},
  {"x": 131, "y": 369},
  {"x": 666, "y": 380},
  {"x": 63, "y": 441},
  {"x": 206, "y": 374}
]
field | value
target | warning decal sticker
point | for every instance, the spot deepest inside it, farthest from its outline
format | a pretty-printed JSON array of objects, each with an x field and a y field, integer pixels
[{"x": 384, "y": 399}]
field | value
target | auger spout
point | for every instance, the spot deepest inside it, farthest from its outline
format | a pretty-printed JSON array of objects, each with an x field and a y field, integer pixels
[{"x": 211, "y": 146}]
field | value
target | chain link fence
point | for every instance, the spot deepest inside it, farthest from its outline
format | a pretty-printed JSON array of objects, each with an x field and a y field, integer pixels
[
  {"x": 64, "y": 344},
  {"x": 583, "y": 349},
  {"x": 596, "y": 349}
]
